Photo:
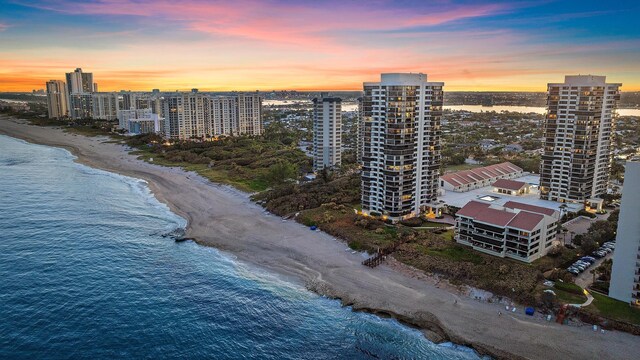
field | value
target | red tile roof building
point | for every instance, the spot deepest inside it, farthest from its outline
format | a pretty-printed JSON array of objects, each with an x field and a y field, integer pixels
[
  {"x": 466, "y": 180},
  {"x": 510, "y": 187},
  {"x": 518, "y": 231}
]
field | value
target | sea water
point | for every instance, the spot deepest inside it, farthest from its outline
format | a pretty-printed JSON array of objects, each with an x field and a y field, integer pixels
[{"x": 87, "y": 271}]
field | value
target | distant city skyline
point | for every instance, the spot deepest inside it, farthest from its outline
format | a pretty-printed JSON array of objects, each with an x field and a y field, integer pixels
[{"x": 281, "y": 44}]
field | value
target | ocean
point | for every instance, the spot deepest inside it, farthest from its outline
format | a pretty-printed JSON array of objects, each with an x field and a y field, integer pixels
[{"x": 89, "y": 270}]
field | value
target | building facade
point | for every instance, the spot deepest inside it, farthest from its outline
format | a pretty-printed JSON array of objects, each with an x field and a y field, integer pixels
[
  {"x": 145, "y": 125},
  {"x": 79, "y": 82},
  {"x": 327, "y": 132},
  {"x": 105, "y": 105},
  {"x": 124, "y": 116},
  {"x": 401, "y": 145},
  {"x": 81, "y": 106},
  {"x": 519, "y": 231},
  {"x": 224, "y": 114},
  {"x": 360, "y": 140},
  {"x": 625, "y": 274},
  {"x": 187, "y": 116},
  {"x": 199, "y": 116},
  {"x": 249, "y": 110},
  {"x": 577, "y": 138},
  {"x": 57, "y": 99}
]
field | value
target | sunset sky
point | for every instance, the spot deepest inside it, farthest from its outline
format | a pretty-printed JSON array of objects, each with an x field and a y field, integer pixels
[{"x": 287, "y": 44}]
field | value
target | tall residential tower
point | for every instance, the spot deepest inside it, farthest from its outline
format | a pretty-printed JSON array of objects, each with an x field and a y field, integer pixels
[
  {"x": 577, "y": 147},
  {"x": 625, "y": 274},
  {"x": 401, "y": 145},
  {"x": 57, "y": 101},
  {"x": 327, "y": 132}
]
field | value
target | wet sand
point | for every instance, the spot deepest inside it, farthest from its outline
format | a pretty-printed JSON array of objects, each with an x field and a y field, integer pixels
[{"x": 225, "y": 218}]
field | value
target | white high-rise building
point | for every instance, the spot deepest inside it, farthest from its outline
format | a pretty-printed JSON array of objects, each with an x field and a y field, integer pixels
[
  {"x": 79, "y": 82},
  {"x": 81, "y": 106},
  {"x": 360, "y": 140},
  {"x": 625, "y": 274},
  {"x": 401, "y": 146},
  {"x": 57, "y": 102},
  {"x": 105, "y": 105},
  {"x": 249, "y": 110},
  {"x": 199, "y": 116},
  {"x": 187, "y": 116},
  {"x": 327, "y": 132},
  {"x": 224, "y": 114},
  {"x": 578, "y": 128},
  {"x": 124, "y": 116}
]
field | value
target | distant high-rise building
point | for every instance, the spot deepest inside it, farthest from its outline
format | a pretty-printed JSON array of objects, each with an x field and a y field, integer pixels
[
  {"x": 249, "y": 110},
  {"x": 80, "y": 82},
  {"x": 187, "y": 116},
  {"x": 81, "y": 105},
  {"x": 224, "y": 115},
  {"x": 57, "y": 102},
  {"x": 105, "y": 105},
  {"x": 625, "y": 273},
  {"x": 360, "y": 128},
  {"x": 197, "y": 115},
  {"x": 327, "y": 132},
  {"x": 401, "y": 146},
  {"x": 125, "y": 115},
  {"x": 577, "y": 147}
]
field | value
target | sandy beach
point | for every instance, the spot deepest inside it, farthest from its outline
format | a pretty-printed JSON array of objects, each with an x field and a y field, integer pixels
[{"x": 224, "y": 218}]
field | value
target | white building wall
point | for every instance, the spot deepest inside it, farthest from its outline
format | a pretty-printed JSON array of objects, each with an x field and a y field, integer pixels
[
  {"x": 625, "y": 275},
  {"x": 327, "y": 133}
]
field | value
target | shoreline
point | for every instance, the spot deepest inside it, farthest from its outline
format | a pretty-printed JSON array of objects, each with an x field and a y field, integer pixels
[{"x": 225, "y": 218}]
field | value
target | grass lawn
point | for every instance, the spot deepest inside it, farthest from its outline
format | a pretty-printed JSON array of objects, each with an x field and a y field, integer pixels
[
  {"x": 456, "y": 253},
  {"x": 460, "y": 167},
  {"x": 614, "y": 309}
]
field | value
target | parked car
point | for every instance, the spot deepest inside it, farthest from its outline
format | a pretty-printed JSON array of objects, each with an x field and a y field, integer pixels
[
  {"x": 588, "y": 259},
  {"x": 574, "y": 271}
]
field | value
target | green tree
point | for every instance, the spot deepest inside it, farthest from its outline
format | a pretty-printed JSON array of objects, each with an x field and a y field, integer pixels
[{"x": 281, "y": 171}]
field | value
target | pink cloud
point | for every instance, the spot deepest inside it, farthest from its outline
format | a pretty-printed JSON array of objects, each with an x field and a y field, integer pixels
[{"x": 274, "y": 22}]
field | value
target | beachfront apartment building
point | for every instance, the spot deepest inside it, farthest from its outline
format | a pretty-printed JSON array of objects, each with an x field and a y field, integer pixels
[
  {"x": 360, "y": 140},
  {"x": 249, "y": 115},
  {"x": 466, "y": 180},
  {"x": 193, "y": 115},
  {"x": 519, "y": 231},
  {"x": 105, "y": 105},
  {"x": 224, "y": 112},
  {"x": 578, "y": 128},
  {"x": 79, "y": 82},
  {"x": 625, "y": 273},
  {"x": 57, "y": 102},
  {"x": 327, "y": 132},
  {"x": 401, "y": 146},
  {"x": 81, "y": 106},
  {"x": 187, "y": 116},
  {"x": 152, "y": 123}
]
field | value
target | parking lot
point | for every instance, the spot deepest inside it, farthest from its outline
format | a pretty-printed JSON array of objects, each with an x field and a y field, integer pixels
[
  {"x": 582, "y": 268},
  {"x": 585, "y": 279}
]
